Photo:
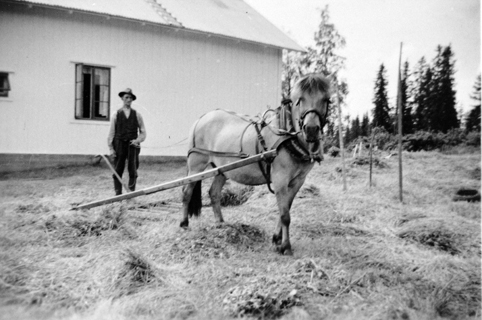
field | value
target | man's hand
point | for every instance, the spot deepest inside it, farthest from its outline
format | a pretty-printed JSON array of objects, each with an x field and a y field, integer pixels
[
  {"x": 135, "y": 143},
  {"x": 112, "y": 154}
]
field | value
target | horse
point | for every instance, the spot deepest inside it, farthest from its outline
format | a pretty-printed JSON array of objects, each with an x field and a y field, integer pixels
[{"x": 294, "y": 129}]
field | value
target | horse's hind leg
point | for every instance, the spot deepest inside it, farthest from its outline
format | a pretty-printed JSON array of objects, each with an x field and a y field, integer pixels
[
  {"x": 196, "y": 163},
  {"x": 215, "y": 194}
]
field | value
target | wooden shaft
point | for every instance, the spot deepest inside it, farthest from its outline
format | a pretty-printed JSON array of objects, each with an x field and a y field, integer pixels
[
  {"x": 115, "y": 172},
  {"x": 182, "y": 181}
]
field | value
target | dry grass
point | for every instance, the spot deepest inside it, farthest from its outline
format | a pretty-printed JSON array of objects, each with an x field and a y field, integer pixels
[{"x": 358, "y": 254}]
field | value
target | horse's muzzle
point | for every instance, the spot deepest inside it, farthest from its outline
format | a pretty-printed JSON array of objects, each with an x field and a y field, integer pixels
[{"x": 312, "y": 133}]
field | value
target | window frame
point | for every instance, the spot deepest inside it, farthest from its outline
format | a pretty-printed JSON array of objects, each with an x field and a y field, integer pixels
[
  {"x": 79, "y": 103},
  {"x": 4, "y": 91}
]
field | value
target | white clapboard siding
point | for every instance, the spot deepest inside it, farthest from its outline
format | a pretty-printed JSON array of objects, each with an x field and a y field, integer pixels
[{"x": 177, "y": 75}]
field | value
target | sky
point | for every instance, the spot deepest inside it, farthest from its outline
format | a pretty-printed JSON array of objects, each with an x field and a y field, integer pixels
[{"x": 374, "y": 31}]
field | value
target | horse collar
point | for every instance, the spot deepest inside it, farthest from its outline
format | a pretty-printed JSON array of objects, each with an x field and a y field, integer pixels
[{"x": 297, "y": 151}]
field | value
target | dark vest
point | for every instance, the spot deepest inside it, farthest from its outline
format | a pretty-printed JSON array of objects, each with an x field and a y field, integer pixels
[{"x": 126, "y": 129}]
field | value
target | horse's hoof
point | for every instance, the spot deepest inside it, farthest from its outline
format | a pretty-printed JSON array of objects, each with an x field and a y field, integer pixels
[
  {"x": 288, "y": 252},
  {"x": 283, "y": 251},
  {"x": 276, "y": 239},
  {"x": 184, "y": 224},
  {"x": 219, "y": 224}
]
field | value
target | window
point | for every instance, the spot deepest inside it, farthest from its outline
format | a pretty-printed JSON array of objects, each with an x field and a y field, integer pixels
[
  {"x": 92, "y": 92},
  {"x": 4, "y": 84}
]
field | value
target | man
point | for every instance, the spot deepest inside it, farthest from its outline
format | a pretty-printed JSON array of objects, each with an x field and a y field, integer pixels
[{"x": 126, "y": 133}]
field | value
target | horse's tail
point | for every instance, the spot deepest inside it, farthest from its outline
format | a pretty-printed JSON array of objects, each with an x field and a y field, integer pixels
[{"x": 195, "y": 204}]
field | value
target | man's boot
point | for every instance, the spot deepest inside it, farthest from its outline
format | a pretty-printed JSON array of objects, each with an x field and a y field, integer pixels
[
  {"x": 117, "y": 186},
  {"x": 132, "y": 183}
]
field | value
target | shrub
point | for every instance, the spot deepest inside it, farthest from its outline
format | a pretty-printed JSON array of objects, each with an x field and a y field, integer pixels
[
  {"x": 334, "y": 151},
  {"x": 473, "y": 138},
  {"x": 427, "y": 141},
  {"x": 419, "y": 141}
]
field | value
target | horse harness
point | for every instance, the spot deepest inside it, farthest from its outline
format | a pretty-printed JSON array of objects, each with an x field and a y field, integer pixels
[{"x": 287, "y": 138}]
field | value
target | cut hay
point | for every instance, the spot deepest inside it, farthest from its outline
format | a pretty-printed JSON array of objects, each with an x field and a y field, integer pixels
[
  {"x": 358, "y": 254},
  {"x": 308, "y": 191},
  {"x": 218, "y": 241},
  {"x": 432, "y": 233},
  {"x": 320, "y": 277},
  {"x": 84, "y": 225},
  {"x": 136, "y": 273},
  {"x": 234, "y": 194},
  {"x": 365, "y": 160},
  {"x": 262, "y": 298},
  {"x": 333, "y": 229}
]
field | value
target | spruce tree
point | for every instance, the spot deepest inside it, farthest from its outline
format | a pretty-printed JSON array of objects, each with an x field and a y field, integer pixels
[
  {"x": 407, "y": 120},
  {"x": 347, "y": 132},
  {"x": 381, "y": 111},
  {"x": 422, "y": 94},
  {"x": 356, "y": 128},
  {"x": 365, "y": 125},
  {"x": 443, "y": 113},
  {"x": 472, "y": 122}
]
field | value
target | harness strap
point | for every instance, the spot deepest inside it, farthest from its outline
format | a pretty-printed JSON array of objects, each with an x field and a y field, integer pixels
[
  {"x": 266, "y": 173},
  {"x": 284, "y": 135},
  {"x": 218, "y": 153}
]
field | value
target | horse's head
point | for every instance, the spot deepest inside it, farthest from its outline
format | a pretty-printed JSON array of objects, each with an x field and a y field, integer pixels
[{"x": 311, "y": 99}]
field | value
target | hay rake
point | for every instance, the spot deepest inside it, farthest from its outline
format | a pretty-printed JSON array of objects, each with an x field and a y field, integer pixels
[{"x": 182, "y": 181}]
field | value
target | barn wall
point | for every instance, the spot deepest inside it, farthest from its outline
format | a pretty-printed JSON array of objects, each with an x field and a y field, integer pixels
[{"x": 176, "y": 75}]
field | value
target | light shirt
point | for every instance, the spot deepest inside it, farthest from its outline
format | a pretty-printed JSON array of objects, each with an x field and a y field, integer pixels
[{"x": 142, "y": 129}]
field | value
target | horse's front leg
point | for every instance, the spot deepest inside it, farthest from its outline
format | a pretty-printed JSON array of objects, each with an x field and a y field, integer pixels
[
  {"x": 277, "y": 234},
  {"x": 285, "y": 196},
  {"x": 281, "y": 238}
]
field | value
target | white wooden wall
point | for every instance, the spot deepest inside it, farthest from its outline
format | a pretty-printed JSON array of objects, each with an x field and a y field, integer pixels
[{"x": 176, "y": 75}]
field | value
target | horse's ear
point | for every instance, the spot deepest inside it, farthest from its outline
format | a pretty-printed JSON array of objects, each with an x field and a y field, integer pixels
[
  {"x": 331, "y": 77},
  {"x": 286, "y": 101},
  {"x": 295, "y": 79}
]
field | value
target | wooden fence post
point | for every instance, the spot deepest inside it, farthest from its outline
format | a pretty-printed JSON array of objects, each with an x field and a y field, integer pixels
[
  {"x": 400, "y": 117},
  {"x": 340, "y": 132}
]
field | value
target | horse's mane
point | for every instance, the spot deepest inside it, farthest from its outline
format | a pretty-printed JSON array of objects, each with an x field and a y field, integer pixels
[{"x": 313, "y": 82}]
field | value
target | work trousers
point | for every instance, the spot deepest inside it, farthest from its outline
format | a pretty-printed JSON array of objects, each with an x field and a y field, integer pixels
[{"x": 125, "y": 152}]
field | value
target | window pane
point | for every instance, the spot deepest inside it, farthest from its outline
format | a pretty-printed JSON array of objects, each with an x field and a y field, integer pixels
[
  {"x": 78, "y": 109},
  {"x": 78, "y": 73},
  {"x": 86, "y": 96},
  {"x": 78, "y": 91},
  {"x": 86, "y": 69},
  {"x": 102, "y": 77},
  {"x": 4, "y": 84},
  {"x": 104, "y": 94},
  {"x": 103, "y": 109},
  {"x": 92, "y": 92}
]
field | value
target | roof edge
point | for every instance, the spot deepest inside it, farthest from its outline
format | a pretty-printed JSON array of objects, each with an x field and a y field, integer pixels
[{"x": 176, "y": 27}]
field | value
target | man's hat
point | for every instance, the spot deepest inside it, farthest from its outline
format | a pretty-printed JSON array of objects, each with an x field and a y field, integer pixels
[{"x": 127, "y": 91}]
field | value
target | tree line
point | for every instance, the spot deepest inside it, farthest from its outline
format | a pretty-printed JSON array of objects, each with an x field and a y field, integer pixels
[{"x": 428, "y": 96}]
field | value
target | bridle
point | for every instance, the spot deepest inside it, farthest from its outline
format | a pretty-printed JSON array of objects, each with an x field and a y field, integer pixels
[{"x": 321, "y": 117}]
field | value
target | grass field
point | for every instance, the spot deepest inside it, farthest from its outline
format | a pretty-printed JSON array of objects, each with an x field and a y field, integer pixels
[{"x": 358, "y": 254}]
